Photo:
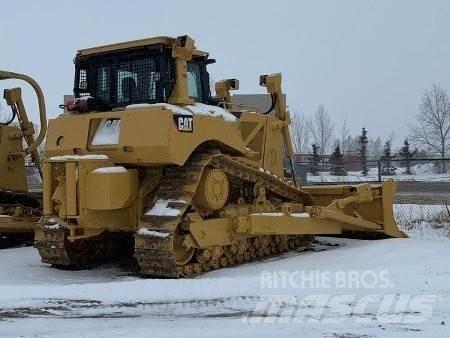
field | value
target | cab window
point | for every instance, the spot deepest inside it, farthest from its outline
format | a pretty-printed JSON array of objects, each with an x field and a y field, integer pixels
[{"x": 194, "y": 82}]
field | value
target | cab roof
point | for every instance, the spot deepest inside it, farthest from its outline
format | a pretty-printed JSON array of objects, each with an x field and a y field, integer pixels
[{"x": 165, "y": 40}]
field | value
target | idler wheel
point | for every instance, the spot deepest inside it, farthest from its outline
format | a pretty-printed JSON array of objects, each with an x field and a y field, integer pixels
[
  {"x": 182, "y": 254},
  {"x": 212, "y": 191}
]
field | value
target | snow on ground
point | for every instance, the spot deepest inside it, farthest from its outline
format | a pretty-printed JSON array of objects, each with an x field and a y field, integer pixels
[
  {"x": 341, "y": 288},
  {"x": 424, "y": 221},
  {"x": 419, "y": 173}
]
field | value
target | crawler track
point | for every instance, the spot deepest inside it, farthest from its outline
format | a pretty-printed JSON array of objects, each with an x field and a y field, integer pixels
[
  {"x": 55, "y": 249},
  {"x": 156, "y": 253}
]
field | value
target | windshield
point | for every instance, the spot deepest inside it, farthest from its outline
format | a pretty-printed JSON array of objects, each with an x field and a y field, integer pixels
[{"x": 122, "y": 79}]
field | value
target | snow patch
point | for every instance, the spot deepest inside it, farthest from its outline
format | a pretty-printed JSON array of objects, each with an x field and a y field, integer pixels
[
  {"x": 79, "y": 157},
  {"x": 107, "y": 133},
  {"x": 428, "y": 231},
  {"x": 268, "y": 214},
  {"x": 195, "y": 109},
  {"x": 424, "y": 221},
  {"x": 145, "y": 231},
  {"x": 162, "y": 208},
  {"x": 85, "y": 98},
  {"x": 301, "y": 214},
  {"x": 110, "y": 170},
  {"x": 423, "y": 172},
  {"x": 175, "y": 109},
  {"x": 214, "y": 111},
  {"x": 52, "y": 224}
]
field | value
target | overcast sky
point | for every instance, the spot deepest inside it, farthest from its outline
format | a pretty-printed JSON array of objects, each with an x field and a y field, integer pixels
[{"x": 366, "y": 61}]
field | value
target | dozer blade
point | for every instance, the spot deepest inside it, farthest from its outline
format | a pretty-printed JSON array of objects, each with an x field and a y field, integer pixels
[
  {"x": 14, "y": 231},
  {"x": 363, "y": 210}
]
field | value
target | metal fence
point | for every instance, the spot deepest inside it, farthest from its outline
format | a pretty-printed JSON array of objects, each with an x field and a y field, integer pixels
[
  {"x": 33, "y": 178},
  {"x": 422, "y": 199},
  {"x": 351, "y": 171},
  {"x": 423, "y": 220}
]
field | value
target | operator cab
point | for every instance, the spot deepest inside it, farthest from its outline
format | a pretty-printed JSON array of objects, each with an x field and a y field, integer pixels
[{"x": 136, "y": 72}]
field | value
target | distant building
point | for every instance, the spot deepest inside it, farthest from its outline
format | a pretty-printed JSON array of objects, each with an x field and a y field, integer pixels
[
  {"x": 68, "y": 98},
  {"x": 259, "y": 102}
]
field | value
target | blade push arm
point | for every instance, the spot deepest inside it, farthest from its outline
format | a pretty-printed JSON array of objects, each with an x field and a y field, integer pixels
[
  {"x": 272, "y": 83},
  {"x": 14, "y": 99}
]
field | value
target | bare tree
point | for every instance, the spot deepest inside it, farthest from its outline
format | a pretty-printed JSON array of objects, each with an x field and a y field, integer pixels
[
  {"x": 322, "y": 129},
  {"x": 301, "y": 132},
  {"x": 353, "y": 144},
  {"x": 336, "y": 143},
  {"x": 432, "y": 128},
  {"x": 344, "y": 137},
  {"x": 375, "y": 147},
  {"x": 212, "y": 85}
]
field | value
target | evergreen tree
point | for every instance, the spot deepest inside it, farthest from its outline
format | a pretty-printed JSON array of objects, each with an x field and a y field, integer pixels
[
  {"x": 386, "y": 160},
  {"x": 406, "y": 154},
  {"x": 314, "y": 165},
  {"x": 362, "y": 140},
  {"x": 337, "y": 161}
]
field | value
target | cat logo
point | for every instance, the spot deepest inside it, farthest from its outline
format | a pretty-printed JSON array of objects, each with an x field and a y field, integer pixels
[{"x": 185, "y": 123}]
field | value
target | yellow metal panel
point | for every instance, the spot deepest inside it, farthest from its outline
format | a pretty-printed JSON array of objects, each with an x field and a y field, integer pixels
[
  {"x": 15, "y": 225},
  {"x": 212, "y": 232},
  {"x": 147, "y": 135},
  {"x": 109, "y": 191},
  {"x": 223, "y": 231},
  {"x": 12, "y": 169},
  {"x": 389, "y": 225},
  {"x": 47, "y": 188},
  {"x": 71, "y": 188},
  {"x": 166, "y": 40},
  {"x": 261, "y": 224}
]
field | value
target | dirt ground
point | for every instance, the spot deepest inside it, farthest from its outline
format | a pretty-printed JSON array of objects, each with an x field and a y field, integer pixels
[{"x": 423, "y": 193}]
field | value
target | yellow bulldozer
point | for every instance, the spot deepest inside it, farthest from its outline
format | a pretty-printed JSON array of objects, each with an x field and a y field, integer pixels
[
  {"x": 20, "y": 208},
  {"x": 145, "y": 162}
]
